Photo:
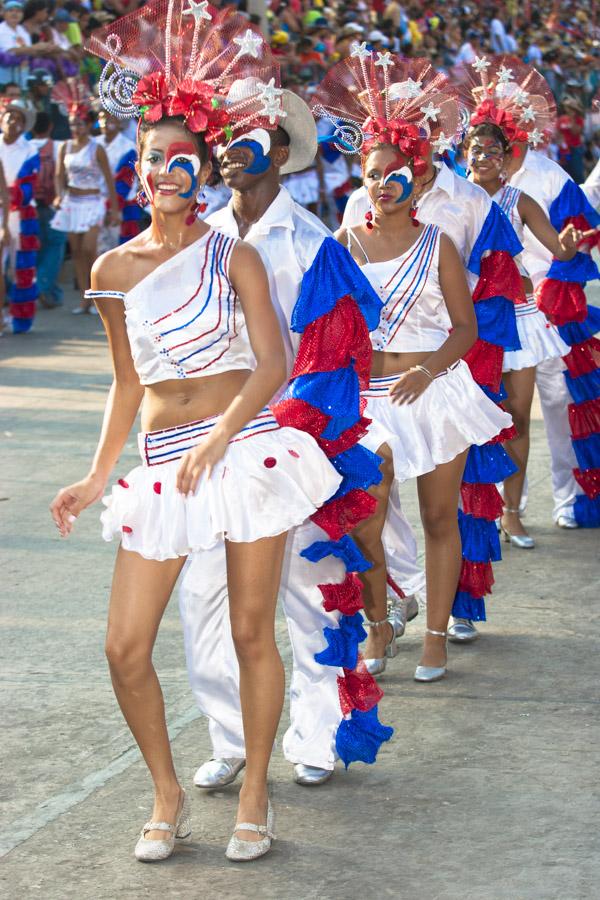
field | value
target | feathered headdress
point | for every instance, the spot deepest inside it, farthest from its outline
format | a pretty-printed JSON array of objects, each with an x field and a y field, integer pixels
[
  {"x": 379, "y": 98},
  {"x": 180, "y": 58},
  {"x": 507, "y": 92},
  {"x": 73, "y": 97}
]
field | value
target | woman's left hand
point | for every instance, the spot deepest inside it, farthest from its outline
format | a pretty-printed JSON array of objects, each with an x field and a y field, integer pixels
[
  {"x": 569, "y": 238},
  {"x": 201, "y": 460},
  {"x": 409, "y": 387}
]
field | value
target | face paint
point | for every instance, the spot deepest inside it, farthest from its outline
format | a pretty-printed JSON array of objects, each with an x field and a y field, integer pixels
[
  {"x": 147, "y": 180},
  {"x": 401, "y": 175},
  {"x": 258, "y": 141},
  {"x": 183, "y": 155},
  {"x": 482, "y": 149}
]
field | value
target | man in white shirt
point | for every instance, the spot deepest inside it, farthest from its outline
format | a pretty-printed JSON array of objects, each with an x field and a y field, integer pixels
[
  {"x": 288, "y": 237},
  {"x": 498, "y": 34}
]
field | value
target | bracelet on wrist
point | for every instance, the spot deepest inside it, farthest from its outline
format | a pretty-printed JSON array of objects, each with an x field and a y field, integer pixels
[{"x": 425, "y": 371}]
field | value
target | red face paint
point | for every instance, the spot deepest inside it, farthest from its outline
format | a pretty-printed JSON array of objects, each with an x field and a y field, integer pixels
[{"x": 178, "y": 148}]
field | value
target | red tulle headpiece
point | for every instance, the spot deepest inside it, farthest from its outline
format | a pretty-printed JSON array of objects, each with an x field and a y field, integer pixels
[
  {"x": 380, "y": 98},
  {"x": 185, "y": 58},
  {"x": 73, "y": 97},
  {"x": 508, "y": 93}
]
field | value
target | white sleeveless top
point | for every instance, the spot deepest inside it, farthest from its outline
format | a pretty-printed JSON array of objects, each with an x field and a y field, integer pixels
[
  {"x": 414, "y": 316},
  {"x": 81, "y": 167},
  {"x": 184, "y": 319}
]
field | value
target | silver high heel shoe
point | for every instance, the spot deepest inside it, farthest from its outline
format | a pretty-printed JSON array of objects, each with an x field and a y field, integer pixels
[
  {"x": 401, "y": 611},
  {"x": 462, "y": 631},
  {"x": 522, "y": 541},
  {"x": 245, "y": 851},
  {"x": 153, "y": 851},
  {"x": 377, "y": 666},
  {"x": 431, "y": 673}
]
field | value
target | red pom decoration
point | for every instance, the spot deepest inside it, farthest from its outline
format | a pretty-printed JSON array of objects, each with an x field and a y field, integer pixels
[
  {"x": 123, "y": 483},
  {"x": 127, "y": 530},
  {"x": 269, "y": 462},
  {"x": 358, "y": 690},
  {"x": 345, "y": 597},
  {"x": 294, "y": 454},
  {"x": 157, "y": 486}
]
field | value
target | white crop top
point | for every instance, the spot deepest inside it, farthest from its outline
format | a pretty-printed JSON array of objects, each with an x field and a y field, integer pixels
[
  {"x": 82, "y": 169},
  {"x": 507, "y": 199},
  {"x": 184, "y": 319},
  {"x": 414, "y": 316}
]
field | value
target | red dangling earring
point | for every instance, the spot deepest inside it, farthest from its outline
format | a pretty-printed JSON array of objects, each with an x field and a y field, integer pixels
[
  {"x": 198, "y": 206},
  {"x": 193, "y": 214},
  {"x": 413, "y": 214},
  {"x": 369, "y": 220}
]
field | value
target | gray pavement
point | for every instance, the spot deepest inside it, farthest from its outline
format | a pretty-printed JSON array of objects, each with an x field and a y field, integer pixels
[{"x": 487, "y": 790}]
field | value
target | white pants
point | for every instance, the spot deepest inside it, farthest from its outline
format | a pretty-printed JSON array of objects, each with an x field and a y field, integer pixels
[
  {"x": 555, "y": 398},
  {"x": 315, "y": 712}
]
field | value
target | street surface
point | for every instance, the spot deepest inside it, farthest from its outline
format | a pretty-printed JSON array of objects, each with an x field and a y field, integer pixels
[{"x": 486, "y": 792}]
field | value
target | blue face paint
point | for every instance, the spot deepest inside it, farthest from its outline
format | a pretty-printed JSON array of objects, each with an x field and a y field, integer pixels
[
  {"x": 182, "y": 155},
  {"x": 260, "y": 162},
  {"x": 404, "y": 178}
]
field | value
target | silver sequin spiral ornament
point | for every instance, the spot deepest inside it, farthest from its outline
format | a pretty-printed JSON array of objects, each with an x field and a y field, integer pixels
[
  {"x": 347, "y": 136},
  {"x": 117, "y": 85}
]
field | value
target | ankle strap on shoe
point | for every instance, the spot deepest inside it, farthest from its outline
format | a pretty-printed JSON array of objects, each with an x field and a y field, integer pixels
[
  {"x": 368, "y": 624},
  {"x": 157, "y": 826},
  {"x": 263, "y": 830},
  {"x": 437, "y": 633}
]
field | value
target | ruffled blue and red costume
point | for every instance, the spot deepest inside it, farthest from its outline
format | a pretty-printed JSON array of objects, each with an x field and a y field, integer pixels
[
  {"x": 336, "y": 310},
  {"x": 131, "y": 213},
  {"x": 498, "y": 289},
  {"x": 23, "y": 291},
  {"x": 561, "y": 297}
]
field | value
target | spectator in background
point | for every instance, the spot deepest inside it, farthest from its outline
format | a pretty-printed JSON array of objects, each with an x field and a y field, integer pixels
[
  {"x": 15, "y": 44},
  {"x": 11, "y": 91},
  {"x": 498, "y": 43},
  {"x": 53, "y": 243},
  {"x": 39, "y": 86},
  {"x": 470, "y": 49},
  {"x": 570, "y": 139}
]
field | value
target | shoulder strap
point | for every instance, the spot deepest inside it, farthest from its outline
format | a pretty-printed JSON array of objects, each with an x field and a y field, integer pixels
[
  {"x": 350, "y": 234},
  {"x": 99, "y": 295}
]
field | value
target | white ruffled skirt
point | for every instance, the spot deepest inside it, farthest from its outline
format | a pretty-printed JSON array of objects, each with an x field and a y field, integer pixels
[
  {"x": 270, "y": 480},
  {"x": 450, "y": 415},
  {"x": 79, "y": 213},
  {"x": 540, "y": 339}
]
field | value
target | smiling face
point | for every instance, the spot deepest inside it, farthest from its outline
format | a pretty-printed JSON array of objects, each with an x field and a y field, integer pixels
[
  {"x": 251, "y": 157},
  {"x": 13, "y": 125},
  {"x": 389, "y": 180},
  {"x": 170, "y": 168},
  {"x": 485, "y": 155}
]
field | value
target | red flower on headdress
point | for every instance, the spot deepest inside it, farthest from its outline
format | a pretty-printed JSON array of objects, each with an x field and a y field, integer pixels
[
  {"x": 152, "y": 94},
  {"x": 403, "y": 135},
  {"x": 489, "y": 112}
]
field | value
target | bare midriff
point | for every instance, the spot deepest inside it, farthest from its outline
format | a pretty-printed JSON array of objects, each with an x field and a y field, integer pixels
[
  {"x": 178, "y": 401},
  {"x": 82, "y": 192},
  {"x": 397, "y": 363},
  {"x": 527, "y": 285}
]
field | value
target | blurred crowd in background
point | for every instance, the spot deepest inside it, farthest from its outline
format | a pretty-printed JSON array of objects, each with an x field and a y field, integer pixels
[{"x": 41, "y": 45}]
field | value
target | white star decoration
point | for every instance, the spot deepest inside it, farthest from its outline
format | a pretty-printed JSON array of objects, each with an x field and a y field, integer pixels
[
  {"x": 505, "y": 75},
  {"x": 272, "y": 110},
  {"x": 269, "y": 92},
  {"x": 405, "y": 90},
  {"x": 249, "y": 43},
  {"x": 442, "y": 144},
  {"x": 360, "y": 50},
  {"x": 198, "y": 11},
  {"x": 481, "y": 64},
  {"x": 430, "y": 112},
  {"x": 520, "y": 97},
  {"x": 528, "y": 115},
  {"x": 536, "y": 137},
  {"x": 384, "y": 60}
]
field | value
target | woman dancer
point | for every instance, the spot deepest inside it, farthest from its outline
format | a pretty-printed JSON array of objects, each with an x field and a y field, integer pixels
[
  {"x": 82, "y": 166},
  {"x": 427, "y": 408},
  {"x": 193, "y": 333},
  {"x": 498, "y": 123}
]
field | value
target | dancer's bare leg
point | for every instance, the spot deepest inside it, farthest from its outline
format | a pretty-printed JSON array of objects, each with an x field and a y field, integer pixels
[
  {"x": 89, "y": 252},
  {"x": 438, "y": 501},
  {"x": 140, "y": 592},
  {"x": 253, "y": 576},
  {"x": 368, "y": 537},
  {"x": 79, "y": 265},
  {"x": 519, "y": 387}
]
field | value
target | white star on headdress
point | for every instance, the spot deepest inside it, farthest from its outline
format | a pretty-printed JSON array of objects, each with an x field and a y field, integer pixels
[
  {"x": 520, "y": 97},
  {"x": 360, "y": 50},
  {"x": 413, "y": 88},
  {"x": 272, "y": 110},
  {"x": 405, "y": 90},
  {"x": 384, "y": 60},
  {"x": 528, "y": 115},
  {"x": 430, "y": 112},
  {"x": 269, "y": 92},
  {"x": 249, "y": 43},
  {"x": 505, "y": 75},
  {"x": 442, "y": 144},
  {"x": 536, "y": 137},
  {"x": 481, "y": 63},
  {"x": 198, "y": 11}
]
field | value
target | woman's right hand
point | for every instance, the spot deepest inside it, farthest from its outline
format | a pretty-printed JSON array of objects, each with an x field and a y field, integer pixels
[
  {"x": 72, "y": 500},
  {"x": 56, "y": 202}
]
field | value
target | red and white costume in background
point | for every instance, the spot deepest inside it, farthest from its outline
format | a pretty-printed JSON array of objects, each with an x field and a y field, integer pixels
[
  {"x": 121, "y": 153},
  {"x": 288, "y": 238}
]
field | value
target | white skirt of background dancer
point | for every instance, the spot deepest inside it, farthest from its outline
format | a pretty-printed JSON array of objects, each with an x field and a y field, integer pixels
[
  {"x": 449, "y": 416},
  {"x": 539, "y": 339},
  {"x": 79, "y": 213},
  {"x": 269, "y": 480}
]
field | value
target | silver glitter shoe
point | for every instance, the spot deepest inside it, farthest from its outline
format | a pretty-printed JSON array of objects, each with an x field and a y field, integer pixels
[
  {"x": 462, "y": 631},
  {"x": 245, "y": 851},
  {"x": 377, "y": 666},
  {"x": 402, "y": 611},
  {"x": 566, "y": 522},
  {"x": 154, "y": 851},
  {"x": 311, "y": 775},
  {"x": 522, "y": 541},
  {"x": 426, "y": 674},
  {"x": 217, "y": 773}
]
